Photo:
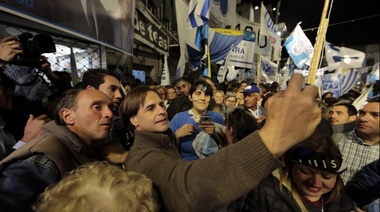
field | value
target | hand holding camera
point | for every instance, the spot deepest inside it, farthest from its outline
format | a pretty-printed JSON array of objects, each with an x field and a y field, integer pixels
[
  {"x": 34, "y": 47},
  {"x": 9, "y": 48}
]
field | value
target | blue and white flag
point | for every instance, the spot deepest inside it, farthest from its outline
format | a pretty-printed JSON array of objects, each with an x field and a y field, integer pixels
[
  {"x": 342, "y": 57},
  {"x": 199, "y": 12},
  {"x": 341, "y": 81},
  {"x": 299, "y": 47}
]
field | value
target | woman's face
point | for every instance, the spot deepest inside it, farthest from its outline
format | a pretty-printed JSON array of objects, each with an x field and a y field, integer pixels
[
  {"x": 312, "y": 182},
  {"x": 219, "y": 98},
  {"x": 172, "y": 93},
  {"x": 231, "y": 101},
  {"x": 240, "y": 94},
  {"x": 200, "y": 99}
]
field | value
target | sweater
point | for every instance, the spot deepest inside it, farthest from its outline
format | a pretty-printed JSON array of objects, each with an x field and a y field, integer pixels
[{"x": 202, "y": 185}]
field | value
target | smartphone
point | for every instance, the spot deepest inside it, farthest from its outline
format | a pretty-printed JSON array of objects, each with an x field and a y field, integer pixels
[{"x": 204, "y": 118}]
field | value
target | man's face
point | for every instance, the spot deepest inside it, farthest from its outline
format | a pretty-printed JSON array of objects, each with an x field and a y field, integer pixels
[
  {"x": 152, "y": 116},
  {"x": 339, "y": 115},
  {"x": 250, "y": 100},
  {"x": 91, "y": 117},
  {"x": 367, "y": 122},
  {"x": 183, "y": 88},
  {"x": 111, "y": 87}
]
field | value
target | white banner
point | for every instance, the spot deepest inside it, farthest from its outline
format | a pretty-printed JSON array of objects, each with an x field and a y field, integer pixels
[
  {"x": 268, "y": 28},
  {"x": 245, "y": 25}
]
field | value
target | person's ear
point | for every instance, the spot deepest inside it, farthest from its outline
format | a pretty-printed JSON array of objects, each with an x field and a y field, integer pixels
[
  {"x": 190, "y": 98},
  {"x": 90, "y": 87},
  {"x": 352, "y": 118},
  {"x": 134, "y": 120},
  {"x": 230, "y": 130},
  {"x": 67, "y": 116}
]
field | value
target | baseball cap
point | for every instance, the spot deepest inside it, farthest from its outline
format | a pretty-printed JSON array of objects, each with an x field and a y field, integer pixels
[{"x": 251, "y": 89}]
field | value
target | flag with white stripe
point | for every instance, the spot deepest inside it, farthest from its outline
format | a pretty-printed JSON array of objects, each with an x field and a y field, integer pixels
[
  {"x": 199, "y": 12},
  {"x": 342, "y": 57}
]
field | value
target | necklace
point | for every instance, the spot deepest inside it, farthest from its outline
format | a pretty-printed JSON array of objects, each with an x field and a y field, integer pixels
[{"x": 195, "y": 117}]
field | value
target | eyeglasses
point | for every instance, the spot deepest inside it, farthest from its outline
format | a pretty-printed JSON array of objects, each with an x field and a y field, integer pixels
[{"x": 231, "y": 101}]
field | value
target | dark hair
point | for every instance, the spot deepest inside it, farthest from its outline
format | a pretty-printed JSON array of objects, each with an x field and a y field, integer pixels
[
  {"x": 68, "y": 100},
  {"x": 95, "y": 77},
  {"x": 351, "y": 110},
  {"x": 325, "y": 94},
  {"x": 199, "y": 83},
  {"x": 243, "y": 123},
  {"x": 179, "y": 80},
  {"x": 131, "y": 103}
]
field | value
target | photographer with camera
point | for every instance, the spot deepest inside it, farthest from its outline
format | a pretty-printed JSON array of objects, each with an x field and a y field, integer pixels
[
  {"x": 9, "y": 47},
  {"x": 21, "y": 120}
]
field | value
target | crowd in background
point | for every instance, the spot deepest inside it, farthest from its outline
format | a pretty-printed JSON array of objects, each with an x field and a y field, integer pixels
[{"x": 189, "y": 146}]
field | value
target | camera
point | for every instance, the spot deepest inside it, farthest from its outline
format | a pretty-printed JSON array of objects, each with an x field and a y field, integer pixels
[{"x": 33, "y": 46}]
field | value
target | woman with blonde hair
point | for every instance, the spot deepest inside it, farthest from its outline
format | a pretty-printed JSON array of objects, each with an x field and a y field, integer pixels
[
  {"x": 240, "y": 96},
  {"x": 99, "y": 187}
]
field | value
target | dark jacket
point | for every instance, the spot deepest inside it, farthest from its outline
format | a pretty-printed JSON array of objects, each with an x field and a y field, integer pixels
[
  {"x": 26, "y": 172},
  {"x": 268, "y": 197},
  {"x": 364, "y": 187}
]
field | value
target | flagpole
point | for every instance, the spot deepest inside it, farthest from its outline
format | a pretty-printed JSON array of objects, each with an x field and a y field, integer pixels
[{"x": 318, "y": 45}]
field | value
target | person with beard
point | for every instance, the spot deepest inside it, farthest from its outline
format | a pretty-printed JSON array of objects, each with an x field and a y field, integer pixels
[{"x": 361, "y": 146}]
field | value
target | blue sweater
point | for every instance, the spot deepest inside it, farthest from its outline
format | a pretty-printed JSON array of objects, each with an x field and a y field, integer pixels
[{"x": 186, "y": 149}]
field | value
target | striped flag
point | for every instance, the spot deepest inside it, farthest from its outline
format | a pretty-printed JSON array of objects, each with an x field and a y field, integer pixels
[
  {"x": 341, "y": 81},
  {"x": 348, "y": 79},
  {"x": 342, "y": 57},
  {"x": 299, "y": 47},
  {"x": 199, "y": 12}
]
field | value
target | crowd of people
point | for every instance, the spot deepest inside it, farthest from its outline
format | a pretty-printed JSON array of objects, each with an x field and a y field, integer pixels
[{"x": 111, "y": 143}]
